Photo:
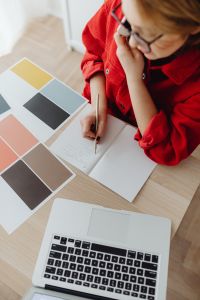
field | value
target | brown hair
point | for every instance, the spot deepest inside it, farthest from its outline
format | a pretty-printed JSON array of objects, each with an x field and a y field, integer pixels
[{"x": 175, "y": 16}]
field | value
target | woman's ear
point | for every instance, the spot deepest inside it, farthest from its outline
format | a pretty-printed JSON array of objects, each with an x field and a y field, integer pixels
[{"x": 196, "y": 30}]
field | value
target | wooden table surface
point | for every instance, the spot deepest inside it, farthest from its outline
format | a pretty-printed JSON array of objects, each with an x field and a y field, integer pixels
[{"x": 167, "y": 192}]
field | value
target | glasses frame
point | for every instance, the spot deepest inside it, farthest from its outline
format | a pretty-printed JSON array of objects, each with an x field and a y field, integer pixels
[{"x": 139, "y": 40}]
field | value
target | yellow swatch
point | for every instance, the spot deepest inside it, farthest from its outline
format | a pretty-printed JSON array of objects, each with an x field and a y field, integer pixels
[{"x": 31, "y": 73}]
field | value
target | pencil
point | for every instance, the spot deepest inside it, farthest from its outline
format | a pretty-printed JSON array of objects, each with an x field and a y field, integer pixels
[{"x": 96, "y": 123}]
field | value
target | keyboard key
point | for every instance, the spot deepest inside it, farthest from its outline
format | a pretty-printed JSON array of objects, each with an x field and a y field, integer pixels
[
  {"x": 125, "y": 277},
  {"x": 54, "y": 277},
  {"x": 47, "y": 276},
  {"x": 82, "y": 276},
  {"x": 59, "y": 272},
  {"x": 87, "y": 269},
  {"x": 71, "y": 240},
  {"x": 70, "y": 280},
  {"x": 105, "y": 281},
  {"x": 118, "y": 291},
  {"x": 67, "y": 273},
  {"x": 128, "y": 286},
  {"x": 143, "y": 289},
  {"x": 99, "y": 255},
  {"x": 77, "y": 251},
  {"x": 50, "y": 270},
  {"x": 151, "y": 298},
  {"x": 58, "y": 248},
  {"x": 131, "y": 254},
  {"x": 147, "y": 257},
  {"x": 124, "y": 269},
  {"x": 85, "y": 245},
  {"x": 54, "y": 254},
  {"x": 117, "y": 267},
  {"x": 97, "y": 279},
  {"x": 86, "y": 284},
  {"x": 80, "y": 260},
  {"x": 114, "y": 259},
  {"x": 102, "y": 287},
  {"x": 118, "y": 275},
  {"x": 94, "y": 263},
  {"x": 133, "y": 279},
  {"x": 63, "y": 241},
  {"x": 72, "y": 266},
  {"x": 150, "y": 282},
  {"x": 140, "y": 272},
  {"x": 70, "y": 250},
  {"x": 155, "y": 258},
  {"x": 141, "y": 280},
  {"x": 77, "y": 243},
  {"x": 129, "y": 262},
  {"x": 151, "y": 291},
  {"x": 132, "y": 270},
  {"x": 92, "y": 254},
  {"x": 120, "y": 284},
  {"x": 78, "y": 282},
  {"x": 110, "y": 274},
  {"x": 75, "y": 275},
  {"x": 63, "y": 279},
  {"x": 80, "y": 268},
  {"x": 142, "y": 296},
  {"x": 95, "y": 271},
  {"x": 126, "y": 293},
  {"x": 85, "y": 253},
  {"x": 137, "y": 263},
  {"x": 102, "y": 264},
  {"x": 90, "y": 278},
  {"x": 102, "y": 272},
  {"x": 113, "y": 282},
  {"x": 140, "y": 255},
  {"x": 50, "y": 262},
  {"x": 108, "y": 249},
  {"x": 65, "y": 256},
  {"x": 122, "y": 260},
  {"x": 150, "y": 274},
  {"x": 109, "y": 289},
  {"x": 134, "y": 294},
  {"x": 56, "y": 237},
  {"x": 136, "y": 287},
  {"x": 87, "y": 261},
  {"x": 72, "y": 258},
  {"x": 107, "y": 257},
  {"x": 149, "y": 266},
  {"x": 94, "y": 286},
  {"x": 58, "y": 263}
]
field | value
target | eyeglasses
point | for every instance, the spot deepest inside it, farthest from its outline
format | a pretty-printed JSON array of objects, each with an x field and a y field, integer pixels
[{"x": 145, "y": 45}]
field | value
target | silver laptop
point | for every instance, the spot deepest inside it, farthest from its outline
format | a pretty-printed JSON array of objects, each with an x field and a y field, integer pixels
[{"x": 93, "y": 252}]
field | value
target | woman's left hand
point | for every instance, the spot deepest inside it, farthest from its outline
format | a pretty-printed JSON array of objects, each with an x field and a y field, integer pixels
[{"x": 131, "y": 59}]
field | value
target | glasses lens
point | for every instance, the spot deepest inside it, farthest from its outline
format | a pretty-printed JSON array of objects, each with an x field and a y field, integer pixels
[{"x": 144, "y": 45}]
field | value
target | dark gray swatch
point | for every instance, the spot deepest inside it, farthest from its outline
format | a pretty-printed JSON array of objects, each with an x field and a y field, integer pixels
[
  {"x": 46, "y": 111},
  {"x": 3, "y": 105},
  {"x": 26, "y": 184}
]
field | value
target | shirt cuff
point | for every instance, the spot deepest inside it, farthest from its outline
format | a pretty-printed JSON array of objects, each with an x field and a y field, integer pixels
[
  {"x": 90, "y": 68},
  {"x": 155, "y": 133}
]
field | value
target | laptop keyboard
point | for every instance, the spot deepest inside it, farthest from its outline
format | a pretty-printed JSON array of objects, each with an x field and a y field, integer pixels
[{"x": 116, "y": 270}]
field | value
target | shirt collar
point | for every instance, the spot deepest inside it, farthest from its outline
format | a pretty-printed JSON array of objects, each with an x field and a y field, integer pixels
[{"x": 182, "y": 66}]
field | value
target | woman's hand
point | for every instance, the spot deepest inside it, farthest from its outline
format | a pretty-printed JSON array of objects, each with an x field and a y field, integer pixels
[
  {"x": 131, "y": 59},
  {"x": 89, "y": 122}
]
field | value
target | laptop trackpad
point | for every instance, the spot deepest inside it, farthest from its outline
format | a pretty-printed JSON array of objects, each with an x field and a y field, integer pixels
[{"x": 108, "y": 225}]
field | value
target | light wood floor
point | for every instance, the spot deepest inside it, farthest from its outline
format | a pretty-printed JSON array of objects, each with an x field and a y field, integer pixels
[{"x": 44, "y": 44}]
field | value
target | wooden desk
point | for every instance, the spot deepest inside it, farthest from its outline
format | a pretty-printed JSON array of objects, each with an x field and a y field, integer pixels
[{"x": 168, "y": 193}]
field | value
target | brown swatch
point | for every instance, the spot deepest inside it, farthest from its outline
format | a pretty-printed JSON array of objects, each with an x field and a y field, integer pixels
[
  {"x": 47, "y": 166},
  {"x": 26, "y": 184}
]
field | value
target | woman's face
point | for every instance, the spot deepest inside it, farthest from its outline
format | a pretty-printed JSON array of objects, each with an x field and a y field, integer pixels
[{"x": 148, "y": 30}]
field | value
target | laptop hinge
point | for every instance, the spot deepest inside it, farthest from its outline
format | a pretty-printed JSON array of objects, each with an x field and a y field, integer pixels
[{"x": 76, "y": 293}]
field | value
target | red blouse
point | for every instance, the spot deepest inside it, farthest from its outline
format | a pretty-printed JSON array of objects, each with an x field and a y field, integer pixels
[{"x": 174, "y": 132}]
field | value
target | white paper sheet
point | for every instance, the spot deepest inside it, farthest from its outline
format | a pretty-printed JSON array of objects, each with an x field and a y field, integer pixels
[{"x": 79, "y": 151}]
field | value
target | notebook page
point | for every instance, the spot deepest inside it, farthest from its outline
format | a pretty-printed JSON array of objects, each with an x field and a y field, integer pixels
[
  {"x": 124, "y": 168},
  {"x": 79, "y": 151}
]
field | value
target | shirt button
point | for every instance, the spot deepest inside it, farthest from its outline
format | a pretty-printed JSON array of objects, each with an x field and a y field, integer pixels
[
  {"x": 107, "y": 71},
  {"x": 143, "y": 76}
]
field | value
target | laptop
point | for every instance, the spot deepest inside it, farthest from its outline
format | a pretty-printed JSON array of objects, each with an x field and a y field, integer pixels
[{"x": 93, "y": 252}]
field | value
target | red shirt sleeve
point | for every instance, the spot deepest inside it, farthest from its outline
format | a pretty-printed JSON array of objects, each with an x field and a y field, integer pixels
[
  {"x": 94, "y": 37},
  {"x": 168, "y": 140}
]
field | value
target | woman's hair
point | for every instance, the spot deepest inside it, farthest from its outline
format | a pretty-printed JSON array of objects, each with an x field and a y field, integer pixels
[{"x": 175, "y": 16}]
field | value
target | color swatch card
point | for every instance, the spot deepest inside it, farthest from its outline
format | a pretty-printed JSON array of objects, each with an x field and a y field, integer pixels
[
  {"x": 40, "y": 101},
  {"x": 29, "y": 173},
  {"x": 120, "y": 164}
]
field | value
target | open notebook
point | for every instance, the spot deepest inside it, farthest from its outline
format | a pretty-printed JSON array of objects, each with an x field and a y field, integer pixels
[{"x": 119, "y": 164}]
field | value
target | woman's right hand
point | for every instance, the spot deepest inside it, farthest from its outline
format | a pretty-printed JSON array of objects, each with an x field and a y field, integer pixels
[{"x": 88, "y": 124}]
